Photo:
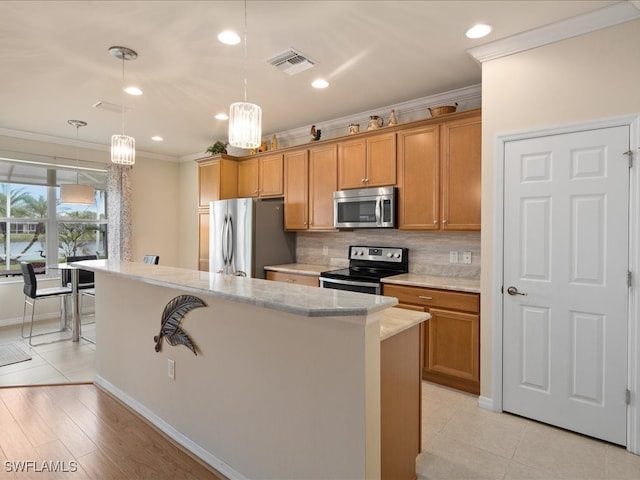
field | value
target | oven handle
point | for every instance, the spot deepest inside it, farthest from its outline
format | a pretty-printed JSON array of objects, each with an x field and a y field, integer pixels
[{"x": 348, "y": 282}]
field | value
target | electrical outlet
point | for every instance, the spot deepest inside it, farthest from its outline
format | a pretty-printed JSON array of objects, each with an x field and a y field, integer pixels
[
  {"x": 466, "y": 257},
  {"x": 171, "y": 369},
  {"x": 325, "y": 250},
  {"x": 453, "y": 256}
]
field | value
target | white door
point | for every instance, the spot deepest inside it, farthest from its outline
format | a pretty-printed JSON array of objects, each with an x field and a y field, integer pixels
[{"x": 565, "y": 265}]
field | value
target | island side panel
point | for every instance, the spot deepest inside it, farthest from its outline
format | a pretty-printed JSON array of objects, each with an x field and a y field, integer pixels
[{"x": 270, "y": 394}]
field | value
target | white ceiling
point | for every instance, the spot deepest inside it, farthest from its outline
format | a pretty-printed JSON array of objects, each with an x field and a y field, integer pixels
[{"x": 55, "y": 63}]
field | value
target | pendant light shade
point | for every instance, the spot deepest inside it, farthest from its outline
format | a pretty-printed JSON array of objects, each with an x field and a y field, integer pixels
[
  {"x": 245, "y": 119},
  {"x": 77, "y": 194},
  {"x": 123, "y": 147},
  {"x": 123, "y": 150},
  {"x": 74, "y": 192},
  {"x": 245, "y": 125}
]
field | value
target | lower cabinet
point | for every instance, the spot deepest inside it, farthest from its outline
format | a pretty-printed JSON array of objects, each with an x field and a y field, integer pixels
[
  {"x": 297, "y": 278},
  {"x": 451, "y": 338}
]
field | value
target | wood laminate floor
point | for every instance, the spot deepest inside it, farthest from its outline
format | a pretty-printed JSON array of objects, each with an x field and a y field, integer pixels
[{"x": 81, "y": 432}]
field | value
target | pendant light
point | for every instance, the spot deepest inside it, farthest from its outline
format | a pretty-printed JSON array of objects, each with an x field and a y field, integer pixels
[
  {"x": 245, "y": 119},
  {"x": 123, "y": 147},
  {"x": 74, "y": 192}
]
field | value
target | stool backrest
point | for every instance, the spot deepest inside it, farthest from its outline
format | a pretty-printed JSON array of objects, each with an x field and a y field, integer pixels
[
  {"x": 153, "y": 259},
  {"x": 84, "y": 276},
  {"x": 29, "y": 277}
]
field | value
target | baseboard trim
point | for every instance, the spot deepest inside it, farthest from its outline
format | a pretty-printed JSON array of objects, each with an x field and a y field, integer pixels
[
  {"x": 168, "y": 430},
  {"x": 486, "y": 403}
]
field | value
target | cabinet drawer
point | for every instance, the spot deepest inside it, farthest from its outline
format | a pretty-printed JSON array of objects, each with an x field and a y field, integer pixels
[
  {"x": 430, "y": 297},
  {"x": 311, "y": 280}
]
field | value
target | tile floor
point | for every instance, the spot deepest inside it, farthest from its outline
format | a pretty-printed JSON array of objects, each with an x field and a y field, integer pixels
[
  {"x": 460, "y": 441},
  {"x": 59, "y": 362}
]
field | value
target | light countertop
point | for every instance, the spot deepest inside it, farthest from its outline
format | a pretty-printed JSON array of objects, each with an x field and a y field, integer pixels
[
  {"x": 411, "y": 279},
  {"x": 300, "y": 268},
  {"x": 430, "y": 281},
  {"x": 298, "y": 299},
  {"x": 396, "y": 320}
]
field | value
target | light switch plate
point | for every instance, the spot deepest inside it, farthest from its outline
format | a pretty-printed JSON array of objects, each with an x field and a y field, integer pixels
[
  {"x": 171, "y": 369},
  {"x": 453, "y": 256},
  {"x": 466, "y": 258}
]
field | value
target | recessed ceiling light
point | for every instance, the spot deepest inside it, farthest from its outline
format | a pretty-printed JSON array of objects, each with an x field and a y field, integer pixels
[
  {"x": 229, "y": 38},
  {"x": 320, "y": 83},
  {"x": 478, "y": 31},
  {"x": 133, "y": 90},
  {"x": 157, "y": 138},
  {"x": 222, "y": 116}
]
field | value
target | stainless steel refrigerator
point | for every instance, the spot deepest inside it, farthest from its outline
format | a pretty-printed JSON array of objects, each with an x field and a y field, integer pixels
[{"x": 246, "y": 234}]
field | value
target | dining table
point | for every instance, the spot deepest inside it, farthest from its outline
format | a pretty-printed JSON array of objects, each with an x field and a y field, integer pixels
[{"x": 75, "y": 297}]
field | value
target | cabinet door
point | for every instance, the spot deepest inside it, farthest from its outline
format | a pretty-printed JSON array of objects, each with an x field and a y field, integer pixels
[
  {"x": 270, "y": 176},
  {"x": 352, "y": 167},
  {"x": 310, "y": 280},
  {"x": 208, "y": 183},
  {"x": 248, "y": 174},
  {"x": 418, "y": 178},
  {"x": 203, "y": 240},
  {"x": 452, "y": 349},
  {"x": 296, "y": 190},
  {"x": 381, "y": 160},
  {"x": 323, "y": 180},
  {"x": 461, "y": 165}
]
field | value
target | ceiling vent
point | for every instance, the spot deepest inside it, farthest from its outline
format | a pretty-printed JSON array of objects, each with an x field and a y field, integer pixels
[
  {"x": 291, "y": 62},
  {"x": 110, "y": 107}
]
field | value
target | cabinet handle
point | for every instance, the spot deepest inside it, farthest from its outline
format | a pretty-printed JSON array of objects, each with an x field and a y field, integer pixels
[
  {"x": 424, "y": 297},
  {"x": 444, "y": 222},
  {"x": 435, "y": 222},
  {"x": 364, "y": 180}
]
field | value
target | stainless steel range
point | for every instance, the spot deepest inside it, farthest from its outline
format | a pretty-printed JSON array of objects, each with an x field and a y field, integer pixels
[{"x": 367, "y": 267}]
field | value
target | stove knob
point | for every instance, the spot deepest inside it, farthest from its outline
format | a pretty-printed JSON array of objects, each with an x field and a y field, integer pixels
[
  {"x": 397, "y": 255},
  {"x": 389, "y": 255}
]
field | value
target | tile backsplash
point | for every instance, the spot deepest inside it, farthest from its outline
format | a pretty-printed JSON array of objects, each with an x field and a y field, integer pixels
[{"x": 428, "y": 251}]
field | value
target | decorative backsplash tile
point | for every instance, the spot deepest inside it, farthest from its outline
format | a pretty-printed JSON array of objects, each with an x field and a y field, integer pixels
[{"x": 428, "y": 251}]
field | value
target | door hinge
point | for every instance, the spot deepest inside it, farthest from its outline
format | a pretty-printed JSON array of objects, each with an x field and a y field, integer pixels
[
  {"x": 627, "y": 396},
  {"x": 629, "y": 279},
  {"x": 630, "y": 155}
]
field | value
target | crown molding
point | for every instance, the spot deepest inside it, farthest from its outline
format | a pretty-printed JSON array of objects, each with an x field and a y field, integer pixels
[{"x": 554, "y": 32}]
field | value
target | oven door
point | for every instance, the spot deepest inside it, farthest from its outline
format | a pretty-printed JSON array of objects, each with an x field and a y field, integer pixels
[{"x": 351, "y": 285}]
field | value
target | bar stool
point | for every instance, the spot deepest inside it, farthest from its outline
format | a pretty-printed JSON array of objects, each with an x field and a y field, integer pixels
[
  {"x": 152, "y": 259},
  {"x": 31, "y": 291}
]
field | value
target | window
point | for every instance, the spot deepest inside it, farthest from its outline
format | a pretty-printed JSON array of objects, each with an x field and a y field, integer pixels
[{"x": 36, "y": 227}]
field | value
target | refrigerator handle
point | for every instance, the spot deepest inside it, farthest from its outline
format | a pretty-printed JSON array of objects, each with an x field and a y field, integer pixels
[
  {"x": 223, "y": 244},
  {"x": 230, "y": 243}
]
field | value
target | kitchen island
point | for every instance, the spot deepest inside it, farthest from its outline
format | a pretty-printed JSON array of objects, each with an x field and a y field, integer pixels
[{"x": 287, "y": 379}]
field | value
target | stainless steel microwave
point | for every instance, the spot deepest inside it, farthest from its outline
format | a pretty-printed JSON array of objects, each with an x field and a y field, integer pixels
[{"x": 365, "y": 208}]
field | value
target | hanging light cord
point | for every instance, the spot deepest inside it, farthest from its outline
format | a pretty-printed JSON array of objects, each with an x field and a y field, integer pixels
[
  {"x": 122, "y": 93},
  {"x": 245, "y": 51}
]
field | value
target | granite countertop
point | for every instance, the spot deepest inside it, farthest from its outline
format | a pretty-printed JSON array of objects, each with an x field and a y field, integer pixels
[
  {"x": 300, "y": 268},
  {"x": 298, "y": 299},
  {"x": 396, "y": 320},
  {"x": 430, "y": 281},
  {"x": 410, "y": 279}
]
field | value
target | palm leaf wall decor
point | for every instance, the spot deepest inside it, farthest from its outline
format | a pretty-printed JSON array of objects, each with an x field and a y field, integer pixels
[{"x": 172, "y": 315}]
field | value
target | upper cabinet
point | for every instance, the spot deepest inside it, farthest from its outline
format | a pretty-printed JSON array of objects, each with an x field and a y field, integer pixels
[
  {"x": 261, "y": 177},
  {"x": 439, "y": 175},
  {"x": 367, "y": 161},
  {"x": 310, "y": 180},
  {"x": 217, "y": 179}
]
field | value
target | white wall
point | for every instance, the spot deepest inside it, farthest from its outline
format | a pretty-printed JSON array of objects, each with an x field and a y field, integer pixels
[{"x": 588, "y": 77}]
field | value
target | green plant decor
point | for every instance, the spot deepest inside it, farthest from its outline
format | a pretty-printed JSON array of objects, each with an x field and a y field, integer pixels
[{"x": 218, "y": 147}]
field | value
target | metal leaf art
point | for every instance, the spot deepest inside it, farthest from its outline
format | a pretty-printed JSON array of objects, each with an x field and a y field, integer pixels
[{"x": 172, "y": 315}]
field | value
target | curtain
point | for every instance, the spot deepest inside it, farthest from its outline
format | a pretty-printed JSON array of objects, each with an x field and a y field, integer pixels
[{"x": 119, "y": 212}]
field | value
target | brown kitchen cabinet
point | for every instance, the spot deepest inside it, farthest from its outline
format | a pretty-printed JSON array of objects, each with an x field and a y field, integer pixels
[
  {"x": 439, "y": 175},
  {"x": 451, "y": 338},
  {"x": 367, "y": 161},
  {"x": 217, "y": 180},
  {"x": 295, "y": 278},
  {"x": 310, "y": 180},
  {"x": 261, "y": 176}
]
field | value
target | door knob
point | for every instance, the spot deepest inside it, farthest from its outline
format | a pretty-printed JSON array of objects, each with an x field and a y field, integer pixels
[{"x": 514, "y": 291}]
